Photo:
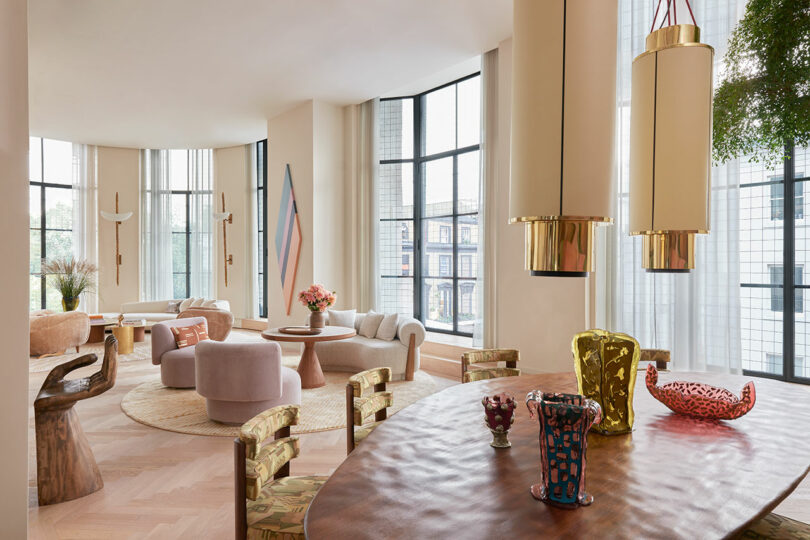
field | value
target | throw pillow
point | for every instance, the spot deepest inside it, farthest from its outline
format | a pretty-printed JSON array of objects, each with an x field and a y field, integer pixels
[
  {"x": 209, "y": 303},
  {"x": 342, "y": 318},
  {"x": 388, "y": 327},
  {"x": 198, "y": 302},
  {"x": 173, "y": 307},
  {"x": 188, "y": 336},
  {"x": 185, "y": 304},
  {"x": 371, "y": 322}
]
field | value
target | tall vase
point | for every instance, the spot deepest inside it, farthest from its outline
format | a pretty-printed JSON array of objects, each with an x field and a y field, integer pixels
[
  {"x": 606, "y": 364},
  {"x": 317, "y": 319},
  {"x": 564, "y": 423},
  {"x": 70, "y": 304}
]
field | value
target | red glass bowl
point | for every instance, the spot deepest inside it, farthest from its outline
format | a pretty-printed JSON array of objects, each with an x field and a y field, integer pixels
[{"x": 700, "y": 400}]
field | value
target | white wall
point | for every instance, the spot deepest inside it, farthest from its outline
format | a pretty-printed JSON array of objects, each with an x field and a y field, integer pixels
[
  {"x": 14, "y": 270},
  {"x": 538, "y": 315},
  {"x": 329, "y": 202},
  {"x": 290, "y": 141},
  {"x": 310, "y": 139},
  {"x": 232, "y": 177},
  {"x": 118, "y": 170}
]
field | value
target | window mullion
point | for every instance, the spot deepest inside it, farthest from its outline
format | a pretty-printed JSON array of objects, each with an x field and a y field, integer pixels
[
  {"x": 418, "y": 203},
  {"x": 789, "y": 255},
  {"x": 43, "y": 226}
]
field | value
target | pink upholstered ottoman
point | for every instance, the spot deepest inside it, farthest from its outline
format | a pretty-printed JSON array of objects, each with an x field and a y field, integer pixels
[{"x": 240, "y": 380}]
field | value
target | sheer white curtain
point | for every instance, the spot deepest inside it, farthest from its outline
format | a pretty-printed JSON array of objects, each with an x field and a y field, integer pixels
[
  {"x": 200, "y": 218},
  {"x": 156, "y": 226},
  {"x": 363, "y": 178},
  {"x": 696, "y": 316},
  {"x": 484, "y": 329},
  {"x": 85, "y": 214}
]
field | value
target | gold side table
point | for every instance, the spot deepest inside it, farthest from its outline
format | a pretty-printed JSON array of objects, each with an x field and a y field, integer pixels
[{"x": 126, "y": 338}]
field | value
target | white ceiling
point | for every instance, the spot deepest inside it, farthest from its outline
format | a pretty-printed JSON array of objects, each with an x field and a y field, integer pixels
[{"x": 208, "y": 73}]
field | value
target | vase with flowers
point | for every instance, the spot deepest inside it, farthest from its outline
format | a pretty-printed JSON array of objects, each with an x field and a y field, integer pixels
[
  {"x": 71, "y": 277},
  {"x": 317, "y": 300}
]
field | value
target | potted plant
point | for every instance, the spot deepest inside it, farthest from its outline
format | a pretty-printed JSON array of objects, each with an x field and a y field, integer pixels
[
  {"x": 762, "y": 104},
  {"x": 317, "y": 299},
  {"x": 71, "y": 278}
]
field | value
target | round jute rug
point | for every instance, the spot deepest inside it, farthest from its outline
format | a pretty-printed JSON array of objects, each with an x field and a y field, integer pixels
[{"x": 322, "y": 409}]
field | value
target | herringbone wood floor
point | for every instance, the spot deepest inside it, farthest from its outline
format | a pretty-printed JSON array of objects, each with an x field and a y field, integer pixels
[
  {"x": 163, "y": 485},
  {"x": 157, "y": 484}
]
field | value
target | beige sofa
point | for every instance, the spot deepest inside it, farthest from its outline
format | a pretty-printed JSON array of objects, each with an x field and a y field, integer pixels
[
  {"x": 158, "y": 310},
  {"x": 361, "y": 353}
]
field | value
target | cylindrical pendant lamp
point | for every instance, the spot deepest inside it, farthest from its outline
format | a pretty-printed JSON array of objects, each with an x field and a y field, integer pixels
[
  {"x": 563, "y": 129},
  {"x": 670, "y": 146}
]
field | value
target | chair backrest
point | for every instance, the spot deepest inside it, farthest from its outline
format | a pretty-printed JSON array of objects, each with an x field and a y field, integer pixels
[
  {"x": 262, "y": 451},
  {"x": 360, "y": 404},
  {"x": 162, "y": 338},
  {"x": 510, "y": 357},
  {"x": 219, "y": 321},
  {"x": 238, "y": 371}
]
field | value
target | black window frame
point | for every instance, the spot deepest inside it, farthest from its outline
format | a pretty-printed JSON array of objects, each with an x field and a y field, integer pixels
[
  {"x": 791, "y": 287},
  {"x": 186, "y": 194},
  {"x": 43, "y": 186},
  {"x": 261, "y": 206},
  {"x": 418, "y": 160}
]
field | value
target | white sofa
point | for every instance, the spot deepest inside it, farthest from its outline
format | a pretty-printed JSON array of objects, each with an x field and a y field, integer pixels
[
  {"x": 361, "y": 353},
  {"x": 158, "y": 310}
]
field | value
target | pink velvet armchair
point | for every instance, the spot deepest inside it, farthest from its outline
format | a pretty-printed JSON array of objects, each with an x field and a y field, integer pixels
[
  {"x": 240, "y": 380},
  {"x": 176, "y": 365}
]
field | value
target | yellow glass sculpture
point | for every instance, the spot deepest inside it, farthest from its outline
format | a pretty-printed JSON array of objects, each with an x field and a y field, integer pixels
[{"x": 606, "y": 365}]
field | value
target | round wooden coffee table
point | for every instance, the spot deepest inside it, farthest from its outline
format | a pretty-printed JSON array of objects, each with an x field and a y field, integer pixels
[
  {"x": 309, "y": 368},
  {"x": 429, "y": 471}
]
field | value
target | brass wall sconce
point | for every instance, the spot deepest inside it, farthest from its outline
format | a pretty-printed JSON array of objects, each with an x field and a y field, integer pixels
[
  {"x": 226, "y": 218},
  {"x": 118, "y": 218}
]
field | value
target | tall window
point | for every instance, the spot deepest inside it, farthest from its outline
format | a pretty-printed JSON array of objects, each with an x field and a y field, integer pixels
[
  {"x": 428, "y": 203},
  {"x": 774, "y": 252},
  {"x": 51, "y": 213},
  {"x": 261, "y": 214},
  {"x": 177, "y": 228}
]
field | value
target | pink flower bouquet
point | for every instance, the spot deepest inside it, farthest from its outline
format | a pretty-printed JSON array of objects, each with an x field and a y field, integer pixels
[{"x": 317, "y": 298}]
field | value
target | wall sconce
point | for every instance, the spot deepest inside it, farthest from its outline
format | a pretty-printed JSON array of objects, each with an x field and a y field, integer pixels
[
  {"x": 118, "y": 218},
  {"x": 225, "y": 218}
]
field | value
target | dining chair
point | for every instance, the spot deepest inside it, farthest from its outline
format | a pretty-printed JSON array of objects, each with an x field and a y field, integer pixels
[
  {"x": 269, "y": 502},
  {"x": 510, "y": 357},
  {"x": 359, "y": 406}
]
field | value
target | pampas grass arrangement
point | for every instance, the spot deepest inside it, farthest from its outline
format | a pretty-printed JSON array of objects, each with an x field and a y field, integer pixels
[{"x": 71, "y": 277}]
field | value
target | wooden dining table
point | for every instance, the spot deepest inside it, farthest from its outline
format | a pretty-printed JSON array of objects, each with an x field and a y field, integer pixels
[{"x": 429, "y": 471}]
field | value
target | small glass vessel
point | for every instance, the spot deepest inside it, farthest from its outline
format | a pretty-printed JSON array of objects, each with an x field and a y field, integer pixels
[
  {"x": 564, "y": 423},
  {"x": 499, "y": 415}
]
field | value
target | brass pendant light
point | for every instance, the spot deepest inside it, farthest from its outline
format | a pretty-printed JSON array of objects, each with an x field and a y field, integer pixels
[
  {"x": 670, "y": 143},
  {"x": 563, "y": 129}
]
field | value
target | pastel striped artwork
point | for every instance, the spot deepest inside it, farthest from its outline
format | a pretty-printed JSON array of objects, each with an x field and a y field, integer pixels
[{"x": 288, "y": 239}]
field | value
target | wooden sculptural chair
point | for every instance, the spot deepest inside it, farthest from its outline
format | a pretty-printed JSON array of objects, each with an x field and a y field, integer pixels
[
  {"x": 359, "y": 407},
  {"x": 510, "y": 357},
  {"x": 269, "y": 502},
  {"x": 66, "y": 468}
]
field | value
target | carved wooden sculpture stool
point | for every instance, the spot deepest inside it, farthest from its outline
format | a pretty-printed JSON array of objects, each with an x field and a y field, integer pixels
[{"x": 66, "y": 468}]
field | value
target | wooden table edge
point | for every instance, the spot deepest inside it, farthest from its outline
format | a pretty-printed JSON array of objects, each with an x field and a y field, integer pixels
[{"x": 308, "y": 337}]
